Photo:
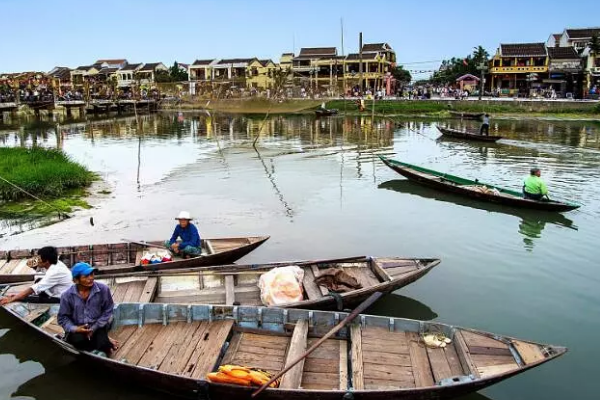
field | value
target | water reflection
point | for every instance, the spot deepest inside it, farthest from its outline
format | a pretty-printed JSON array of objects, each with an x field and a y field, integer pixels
[
  {"x": 530, "y": 227},
  {"x": 395, "y": 305}
]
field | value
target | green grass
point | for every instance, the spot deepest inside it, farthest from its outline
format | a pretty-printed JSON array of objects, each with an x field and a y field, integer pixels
[
  {"x": 441, "y": 108},
  {"x": 70, "y": 200},
  {"x": 45, "y": 173}
]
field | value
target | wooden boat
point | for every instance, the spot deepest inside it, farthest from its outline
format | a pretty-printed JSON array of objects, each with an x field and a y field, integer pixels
[
  {"x": 125, "y": 257},
  {"x": 474, "y": 189},
  {"x": 454, "y": 133},
  {"x": 238, "y": 284},
  {"x": 172, "y": 348},
  {"x": 466, "y": 115},
  {"x": 325, "y": 112}
]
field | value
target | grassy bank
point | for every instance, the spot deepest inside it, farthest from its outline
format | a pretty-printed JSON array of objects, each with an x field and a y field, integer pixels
[
  {"x": 442, "y": 108},
  {"x": 47, "y": 174},
  {"x": 247, "y": 106}
]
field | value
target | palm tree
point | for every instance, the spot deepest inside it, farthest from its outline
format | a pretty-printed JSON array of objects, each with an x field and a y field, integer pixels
[{"x": 480, "y": 54}]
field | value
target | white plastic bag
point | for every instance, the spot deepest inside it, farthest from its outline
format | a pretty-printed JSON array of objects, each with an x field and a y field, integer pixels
[{"x": 281, "y": 285}]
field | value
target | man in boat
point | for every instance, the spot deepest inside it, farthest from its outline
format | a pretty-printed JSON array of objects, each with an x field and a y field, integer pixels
[
  {"x": 86, "y": 312},
  {"x": 485, "y": 126},
  {"x": 189, "y": 246},
  {"x": 51, "y": 286},
  {"x": 534, "y": 187}
]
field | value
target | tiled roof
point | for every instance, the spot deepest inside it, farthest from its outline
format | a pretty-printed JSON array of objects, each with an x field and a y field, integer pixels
[
  {"x": 265, "y": 62},
  {"x": 563, "y": 53},
  {"x": 202, "y": 62},
  {"x": 236, "y": 60},
  {"x": 85, "y": 67},
  {"x": 469, "y": 77},
  {"x": 112, "y": 61},
  {"x": 582, "y": 33},
  {"x": 375, "y": 47},
  {"x": 523, "y": 50},
  {"x": 318, "y": 52},
  {"x": 557, "y": 36},
  {"x": 131, "y": 67},
  {"x": 60, "y": 73},
  {"x": 288, "y": 54},
  {"x": 108, "y": 71},
  {"x": 356, "y": 56},
  {"x": 150, "y": 66}
]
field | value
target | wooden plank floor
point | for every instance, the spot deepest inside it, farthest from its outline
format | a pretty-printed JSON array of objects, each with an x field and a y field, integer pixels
[
  {"x": 184, "y": 349},
  {"x": 265, "y": 352},
  {"x": 489, "y": 356},
  {"x": 326, "y": 367}
]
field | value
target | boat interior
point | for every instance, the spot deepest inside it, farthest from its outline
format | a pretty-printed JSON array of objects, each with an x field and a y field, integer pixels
[
  {"x": 373, "y": 353},
  {"x": 234, "y": 285},
  {"x": 108, "y": 256}
]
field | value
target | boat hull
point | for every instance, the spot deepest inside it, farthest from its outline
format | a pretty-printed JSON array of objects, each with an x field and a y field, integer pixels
[
  {"x": 468, "y": 136},
  {"x": 441, "y": 184}
]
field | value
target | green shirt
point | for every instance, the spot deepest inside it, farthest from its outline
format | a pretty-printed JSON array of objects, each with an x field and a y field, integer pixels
[{"x": 535, "y": 185}]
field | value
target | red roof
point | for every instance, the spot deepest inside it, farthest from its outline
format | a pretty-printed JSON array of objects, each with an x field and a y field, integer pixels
[{"x": 467, "y": 77}]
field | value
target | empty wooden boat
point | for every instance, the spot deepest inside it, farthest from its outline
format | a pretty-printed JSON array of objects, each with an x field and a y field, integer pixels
[
  {"x": 238, "y": 284},
  {"x": 321, "y": 112},
  {"x": 474, "y": 189},
  {"x": 172, "y": 348},
  {"x": 466, "y": 115},
  {"x": 126, "y": 257},
  {"x": 454, "y": 133}
]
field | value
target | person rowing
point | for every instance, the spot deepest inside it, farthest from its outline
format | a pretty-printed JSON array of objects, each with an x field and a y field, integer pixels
[
  {"x": 189, "y": 243},
  {"x": 485, "y": 126},
  {"x": 534, "y": 187}
]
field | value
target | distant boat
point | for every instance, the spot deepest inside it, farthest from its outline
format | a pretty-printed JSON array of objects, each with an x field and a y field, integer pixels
[
  {"x": 323, "y": 112},
  {"x": 126, "y": 257},
  {"x": 474, "y": 189},
  {"x": 466, "y": 115},
  {"x": 454, "y": 133},
  {"x": 172, "y": 348}
]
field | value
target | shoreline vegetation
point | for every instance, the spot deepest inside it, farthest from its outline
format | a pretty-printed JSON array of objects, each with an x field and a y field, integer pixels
[
  {"x": 46, "y": 173},
  {"x": 435, "y": 108}
]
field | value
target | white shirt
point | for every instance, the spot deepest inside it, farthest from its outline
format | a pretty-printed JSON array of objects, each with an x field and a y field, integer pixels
[{"x": 56, "y": 280}]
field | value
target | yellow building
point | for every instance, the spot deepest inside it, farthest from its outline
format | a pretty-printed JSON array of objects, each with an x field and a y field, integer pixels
[
  {"x": 259, "y": 74},
  {"x": 519, "y": 68}
]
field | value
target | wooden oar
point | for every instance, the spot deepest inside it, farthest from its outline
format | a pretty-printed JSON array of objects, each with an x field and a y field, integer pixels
[{"x": 362, "y": 307}]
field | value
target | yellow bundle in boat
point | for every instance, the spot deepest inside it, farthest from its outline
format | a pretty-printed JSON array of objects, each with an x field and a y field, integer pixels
[{"x": 240, "y": 375}]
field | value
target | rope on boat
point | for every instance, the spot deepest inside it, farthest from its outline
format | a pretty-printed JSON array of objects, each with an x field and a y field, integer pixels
[{"x": 60, "y": 212}]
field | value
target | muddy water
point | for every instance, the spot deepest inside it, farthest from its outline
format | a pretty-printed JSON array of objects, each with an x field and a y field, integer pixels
[{"x": 317, "y": 189}]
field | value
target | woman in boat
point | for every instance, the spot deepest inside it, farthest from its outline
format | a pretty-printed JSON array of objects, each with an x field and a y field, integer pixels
[
  {"x": 55, "y": 281},
  {"x": 189, "y": 246},
  {"x": 534, "y": 187}
]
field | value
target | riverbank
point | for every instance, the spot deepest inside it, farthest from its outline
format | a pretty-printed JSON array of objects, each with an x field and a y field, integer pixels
[
  {"x": 442, "y": 108},
  {"x": 48, "y": 174},
  {"x": 246, "y": 106}
]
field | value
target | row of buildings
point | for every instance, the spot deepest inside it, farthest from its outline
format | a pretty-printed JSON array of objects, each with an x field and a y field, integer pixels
[
  {"x": 565, "y": 63},
  {"x": 319, "y": 69},
  {"x": 315, "y": 69}
]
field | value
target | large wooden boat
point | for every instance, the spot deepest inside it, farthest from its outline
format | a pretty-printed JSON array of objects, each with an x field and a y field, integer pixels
[
  {"x": 474, "y": 189},
  {"x": 466, "y": 115},
  {"x": 238, "y": 284},
  {"x": 172, "y": 348},
  {"x": 454, "y": 133},
  {"x": 126, "y": 257},
  {"x": 324, "y": 112}
]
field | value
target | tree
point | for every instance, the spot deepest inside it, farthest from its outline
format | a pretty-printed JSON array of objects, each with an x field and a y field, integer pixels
[
  {"x": 480, "y": 55},
  {"x": 161, "y": 76},
  {"x": 594, "y": 44},
  {"x": 401, "y": 75},
  {"x": 177, "y": 74}
]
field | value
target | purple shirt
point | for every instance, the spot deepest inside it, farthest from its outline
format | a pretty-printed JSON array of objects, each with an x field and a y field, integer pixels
[{"x": 96, "y": 311}]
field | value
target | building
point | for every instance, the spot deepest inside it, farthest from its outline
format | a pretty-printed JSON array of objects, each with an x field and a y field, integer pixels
[
  {"x": 591, "y": 73},
  {"x": 112, "y": 63},
  {"x": 147, "y": 73},
  {"x": 578, "y": 38},
  {"x": 82, "y": 74},
  {"x": 519, "y": 68},
  {"x": 62, "y": 77},
  {"x": 260, "y": 74},
  {"x": 126, "y": 75},
  {"x": 565, "y": 74},
  {"x": 318, "y": 68},
  {"x": 286, "y": 60},
  {"x": 231, "y": 70},
  {"x": 468, "y": 82},
  {"x": 201, "y": 70}
]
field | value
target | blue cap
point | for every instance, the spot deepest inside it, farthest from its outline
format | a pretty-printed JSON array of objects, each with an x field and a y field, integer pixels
[{"x": 82, "y": 268}]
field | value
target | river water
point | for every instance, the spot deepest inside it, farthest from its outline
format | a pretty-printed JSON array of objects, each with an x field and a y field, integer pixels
[{"x": 317, "y": 188}]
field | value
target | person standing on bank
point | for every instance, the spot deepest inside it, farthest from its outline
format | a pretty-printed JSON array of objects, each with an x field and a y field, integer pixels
[
  {"x": 485, "y": 126},
  {"x": 86, "y": 312},
  {"x": 189, "y": 246},
  {"x": 534, "y": 187},
  {"x": 51, "y": 286}
]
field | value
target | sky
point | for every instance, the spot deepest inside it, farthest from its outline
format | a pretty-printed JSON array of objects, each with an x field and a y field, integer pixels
[{"x": 40, "y": 34}]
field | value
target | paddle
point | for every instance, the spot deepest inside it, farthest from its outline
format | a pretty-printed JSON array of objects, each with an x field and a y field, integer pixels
[{"x": 362, "y": 307}]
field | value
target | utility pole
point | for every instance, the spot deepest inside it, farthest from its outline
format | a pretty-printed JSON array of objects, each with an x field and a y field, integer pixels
[
  {"x": 482, "y": 67},
  {"x": 342, "y": 28},
  {"x": 360, "y": 62}
]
